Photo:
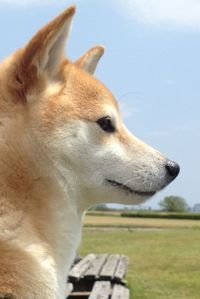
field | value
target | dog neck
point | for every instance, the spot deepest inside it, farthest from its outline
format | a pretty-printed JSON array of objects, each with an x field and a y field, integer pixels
[{"x": 39, "y": 212}]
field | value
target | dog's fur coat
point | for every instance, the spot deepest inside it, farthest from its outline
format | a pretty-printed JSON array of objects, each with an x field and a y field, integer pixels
[{"x": 57, "y": 159}]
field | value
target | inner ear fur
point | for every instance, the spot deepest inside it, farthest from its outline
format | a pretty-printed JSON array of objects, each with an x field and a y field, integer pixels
[
  {"x": 90, "y": 59},
  {"x": 42, "y": 57}
]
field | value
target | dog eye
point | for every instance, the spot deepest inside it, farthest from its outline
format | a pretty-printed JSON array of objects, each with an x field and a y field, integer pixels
[{"x": 105, "y": 124}]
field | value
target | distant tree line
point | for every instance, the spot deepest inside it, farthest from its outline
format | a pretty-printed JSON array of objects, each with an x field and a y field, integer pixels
[
  {"x": 171, "y": 203},
  {"x": 174, "y": 204},
  {"x": 101, "y": 207}
]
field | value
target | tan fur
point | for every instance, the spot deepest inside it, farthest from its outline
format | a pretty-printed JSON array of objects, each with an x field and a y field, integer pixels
[
  {"x": 89, "y": 61},
  {"x": 45, "y": 100}
]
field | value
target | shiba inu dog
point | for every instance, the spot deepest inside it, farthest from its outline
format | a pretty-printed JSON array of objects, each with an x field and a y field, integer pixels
[{"x": 63, "y": 149}]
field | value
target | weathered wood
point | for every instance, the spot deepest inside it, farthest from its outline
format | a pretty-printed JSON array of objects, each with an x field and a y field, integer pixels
[
  {"x": 96, "y": 266},
  {"x": 79, "y": 269},
  {"x": 101, "y": 290},
  {"x": 121, "y": 269},
  {"x": 120, "y": 292},
  {"x": 79, "y": 294},
  {"x": 108, "y": 270}
]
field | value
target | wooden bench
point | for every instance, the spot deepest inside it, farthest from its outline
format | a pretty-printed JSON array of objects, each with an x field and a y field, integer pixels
[{"x": 99, "y": 277}]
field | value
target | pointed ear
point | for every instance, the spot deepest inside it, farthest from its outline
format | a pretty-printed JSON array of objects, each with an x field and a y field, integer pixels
[
  {"x": 90, "y": 59},
  {"x": 46, "y": 51}
]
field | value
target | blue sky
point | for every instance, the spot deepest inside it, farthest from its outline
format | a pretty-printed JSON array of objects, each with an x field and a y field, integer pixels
[{"x": 151, "y": 64}]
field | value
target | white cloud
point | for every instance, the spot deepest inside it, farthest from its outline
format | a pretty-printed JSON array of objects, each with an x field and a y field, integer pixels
[
  {"x": 21, "y": 2},
  {"x": 127, "y": 110},
  {"x": 179, "y": 129},
  {"x": 183, "y": 14},
  {"x": 30, "y": 2},
  {"x": 170, "y": 82},
  {"x": 174, "y": 13}
]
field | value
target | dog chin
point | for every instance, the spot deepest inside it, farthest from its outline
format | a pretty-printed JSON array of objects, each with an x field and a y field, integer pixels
[{"x": 128, "y": 190}]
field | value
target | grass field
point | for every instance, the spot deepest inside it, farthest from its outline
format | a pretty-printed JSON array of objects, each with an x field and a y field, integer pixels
[
  {"x": 117, "y": 221},
  {"x": 164, "y": 264}
]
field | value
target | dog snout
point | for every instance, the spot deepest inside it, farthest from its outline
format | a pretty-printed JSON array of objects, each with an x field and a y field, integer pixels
[{"x": 172, "y": 168}]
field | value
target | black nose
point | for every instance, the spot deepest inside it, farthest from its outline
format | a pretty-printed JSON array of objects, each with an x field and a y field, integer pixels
[{"x": 173, "y": 168}]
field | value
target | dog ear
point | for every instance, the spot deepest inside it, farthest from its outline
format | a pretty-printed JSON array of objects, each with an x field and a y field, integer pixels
[
  {"x": 44, "y": 54},
  {"x": 90, "y": 59}
]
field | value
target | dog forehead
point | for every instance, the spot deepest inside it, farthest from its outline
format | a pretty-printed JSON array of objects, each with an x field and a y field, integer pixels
[{"x": 89, "y": 94}]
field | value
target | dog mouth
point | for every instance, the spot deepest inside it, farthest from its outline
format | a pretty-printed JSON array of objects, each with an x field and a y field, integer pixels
[{"x": 127, "y": 189}]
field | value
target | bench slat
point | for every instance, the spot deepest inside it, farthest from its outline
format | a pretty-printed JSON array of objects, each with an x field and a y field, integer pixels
[
  {"x": 110, "y": 267},
  {"x": 80, "y": 295},
  {"x": 101, "y": 290},
  {"x": 120, "y": 292},
  {"x": 79, "y": 269},
  {"x": 121, "y": 268},
  {"x": 96, "y": 266}
]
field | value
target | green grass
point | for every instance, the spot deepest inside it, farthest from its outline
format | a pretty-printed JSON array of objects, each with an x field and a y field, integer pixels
[{"x": 164, "y": 264}]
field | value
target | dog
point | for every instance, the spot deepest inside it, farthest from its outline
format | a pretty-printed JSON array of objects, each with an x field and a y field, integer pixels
[{"x": 64, "y": 148}]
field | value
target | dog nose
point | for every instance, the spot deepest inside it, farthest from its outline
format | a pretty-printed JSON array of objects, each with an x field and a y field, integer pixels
[{"x": 172, "y": 168}]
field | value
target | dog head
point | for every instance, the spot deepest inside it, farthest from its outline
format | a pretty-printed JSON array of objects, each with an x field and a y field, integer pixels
[{"x": 77, "y": 121}]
